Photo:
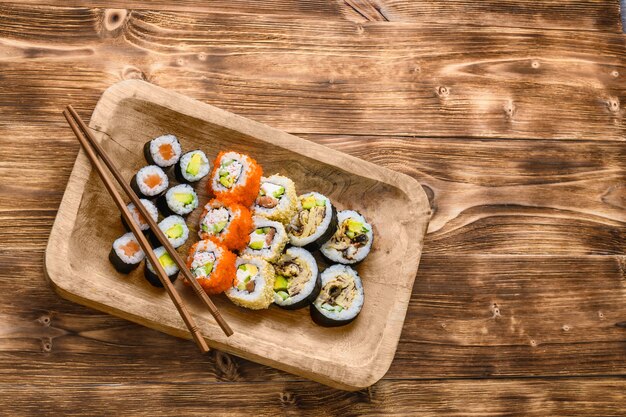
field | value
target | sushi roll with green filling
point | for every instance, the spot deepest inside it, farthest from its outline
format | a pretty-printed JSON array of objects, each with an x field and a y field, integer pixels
[
  {"x": 253, "y": 287},
  {"x": 180, "y": 199},
  {"x": 163, "y": 151},
  {"x": 314, "y": 222},
  {"x": 175, "y": 229},
  {"x": 352, "y": 241},
  {"x": 126, "y": 254},
  {"x": 168, "y": 264},
  {"x": 192, "y": 167},
  {"x": 138, "y": 218},
  {"x": 341, "y": 298},
  {"x": 277, "y": 199},
  {"x": 297, "y": 283},
  {"x": 267, "y": 240},
  {"x": 149, "y": 182}
]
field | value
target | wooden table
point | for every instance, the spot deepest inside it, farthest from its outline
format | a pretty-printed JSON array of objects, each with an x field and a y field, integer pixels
[{"x": 509, "y": 112}]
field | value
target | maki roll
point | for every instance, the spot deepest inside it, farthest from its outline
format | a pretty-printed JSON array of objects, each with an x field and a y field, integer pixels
[
  {"x": 180, "y": 199},
  {"x": 314, "y": 222},
  {"x": 267, "y": 240},
  {"x": 175, "y": 229},
  {"x": 168, "y": 264},
  {"x": 236, "y": 178},
  {"x": 253, "y": 287},
  {"x": 340, "y": 299},
  {"x": 297, "y": 283},
  {"x": 192, "y": 167},
  {"x": 277, "y": 199},
  {"x": 126, "y": 254},
  {"x": 163, "y": 151},
  {"x": 138, "y": 218},
  {"x": 150, "y": 181},
  {"x": 352, "y": 241},
  {"x": 229, "y": 224},
  {"x": 212, "y": 265}
]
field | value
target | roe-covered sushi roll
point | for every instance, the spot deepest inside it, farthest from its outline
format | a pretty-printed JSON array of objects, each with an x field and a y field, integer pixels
[
  {"x": 175, "y": 229},
  {"x": 341, "y": 298},
  {"x": 229, "y": 224},
  {"x": 149, "y": 182},
  {"x": 314, "y": 222},
  {"x": 192, "y": 167},
  {"x": 236, "y": 178},
  {"x": 297, "y": 283},
  {"x": 180, "y": 199},
  {"x": 126, "y": 254},
  {"x": 212, "y": 265},
  {"x": 168, "y": 264},
  {"x": 163, "y": 151},
  {"x": 267, "y": 240},
  {"x": 352, "y": 241},
  {"x": 277, "y": 199},
  {"x": 253, "y": 287},
  {"x": 138, "y": 218}
]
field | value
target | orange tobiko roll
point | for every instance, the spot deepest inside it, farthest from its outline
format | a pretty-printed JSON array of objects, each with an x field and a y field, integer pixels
[
  {"x": 229, "y": 224},
  {"x": 236, "y": 178},
  {"x": 212, "y": 265}
]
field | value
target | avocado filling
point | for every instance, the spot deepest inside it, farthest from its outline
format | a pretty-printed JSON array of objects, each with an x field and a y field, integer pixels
[
  {"x": 338, "y": 293},
  {"x": 186, "y": 199},
  {"x": 166, "y": 260},
  {"x": 202, "y": 264},
  {"x": 349, "y": 237},
  {"x": 215, "y": 221},
  {"x": 306, "y": 222},
  {"x": 229, "y": 172},
  {"x": 175, "y": 231},
  {"x": 292, "y": 274},
  {"x": 261, "y": 238},
  {"x": 270, "y": 195},
  {"x": 195, "y": 162},
  {"x": 246, "y": 277}
]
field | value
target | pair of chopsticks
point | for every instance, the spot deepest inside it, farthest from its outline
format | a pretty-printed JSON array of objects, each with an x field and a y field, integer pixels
[{"x": 94, "y": 150}]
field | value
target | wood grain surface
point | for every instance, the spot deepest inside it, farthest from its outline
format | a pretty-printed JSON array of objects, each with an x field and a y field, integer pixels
[{"x": 509, "y": 113}]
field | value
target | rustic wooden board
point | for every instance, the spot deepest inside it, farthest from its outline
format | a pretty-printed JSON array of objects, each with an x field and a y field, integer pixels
[{"x": 352, "y": 357}]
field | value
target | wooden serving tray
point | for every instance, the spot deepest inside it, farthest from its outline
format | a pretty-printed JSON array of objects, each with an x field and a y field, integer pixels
[{"x": 351, "y": 357}]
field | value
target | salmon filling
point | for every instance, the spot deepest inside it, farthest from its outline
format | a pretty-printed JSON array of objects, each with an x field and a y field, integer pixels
[
  {"x": 130, "y": 248},
  {"x": 152, "y": 180},
  {"x": 167, "y": 151}
]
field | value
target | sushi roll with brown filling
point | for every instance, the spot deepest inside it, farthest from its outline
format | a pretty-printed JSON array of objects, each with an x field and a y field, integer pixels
[
  {"x": 341, "y": 298},
  {"x": 352, "y": 241},
  {"x": 297, "y": 282},
  {"x": 149, "y": 182},
  {"x": 126, "y": 254},
  {"x": 163, "y": 151},
  {"x": 314, "y": 222}
]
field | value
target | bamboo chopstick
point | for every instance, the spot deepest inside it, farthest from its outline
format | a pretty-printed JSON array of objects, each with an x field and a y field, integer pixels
[
  {"x": 143, "y": 242},
  {"x": 153, "y": 226}
]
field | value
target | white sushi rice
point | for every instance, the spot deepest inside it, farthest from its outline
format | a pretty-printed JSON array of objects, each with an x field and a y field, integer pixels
[
  {"x": 122, "y": 241},
  {"x": 262, "y": 296},
  {"x": 175, "y": 205},
  {"x": 273, "y": 251},
  {"x": 305, "y": 256},
  {"x": 156, "y": 143},
  {"x": 303, "y": 241},
  {"x": 357, "y": 254},
  {"x": 146, "y": 171},
  {"x": 171, "y": 221},
  {"x": 150, "y": 207},
  {"x": 241, "y": 164},
  {"x": 357, "y": 303},
  {"x": 205, "y": 166},
  {"x": 169, "y": 270}
]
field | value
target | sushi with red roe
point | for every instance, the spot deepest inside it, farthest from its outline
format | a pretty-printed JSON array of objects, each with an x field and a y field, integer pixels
[
  {"x": 229, "y": 224},
  {"x": 212, "y": 265},
  {"x": 236, "y": 178}
]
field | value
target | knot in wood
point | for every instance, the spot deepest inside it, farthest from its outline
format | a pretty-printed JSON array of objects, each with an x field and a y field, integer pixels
[
  {"x": 44, "y": 320},
  {"x": 288, "y": 398},
  {"x": 113, "y": 22},
  {"x": 443, "y": 91},
  {"x": 613, "y": 104},
  {"x": 46, "y": 344},
  {"x": 534, "y": 64}
]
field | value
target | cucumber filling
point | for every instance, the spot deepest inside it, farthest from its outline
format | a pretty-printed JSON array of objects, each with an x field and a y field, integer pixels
[
  {"x": 229, "y": 172},
  {"x": 261, "y": 238},
  {"x": 349, "y": 237}
]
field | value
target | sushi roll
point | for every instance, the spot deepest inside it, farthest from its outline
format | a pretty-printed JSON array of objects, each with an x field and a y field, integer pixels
[
  {"x": 212, "y": 265},
  {"x": 314, "y": 223},
  {"x": 149, "y": 182},
  {"x": 277, "y": 199},
  {"x": 180, "y": 199},
  {"x": 175, "y": 229},
  {"x": 126, "y": 254},
  {"x": 229, "y": 224},
  {"x": 352, "y": 241},
  {"x": 192, "y": 167},
  {"x": 253, "y": 287},
  {"x": 297, "y": 283},
  {"x": 236, "y": 178},
  {"x": 163, "y": 151},
  {"x": 267, "y": 240},
  {"x": 340, "y": 299},
  {"x": 168, "y": 264},
  {"x": 138, "y": 218}
]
